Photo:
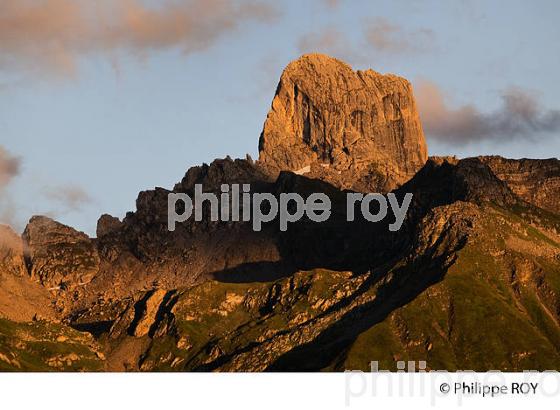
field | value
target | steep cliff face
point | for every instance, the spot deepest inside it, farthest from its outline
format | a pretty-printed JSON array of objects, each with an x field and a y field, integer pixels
[
  {"x": 537, "y": 181},
  {"x": 356, "y": 129}
]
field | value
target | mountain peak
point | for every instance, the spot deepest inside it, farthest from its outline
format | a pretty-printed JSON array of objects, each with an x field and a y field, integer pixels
[{"x": 352, "y": 123}]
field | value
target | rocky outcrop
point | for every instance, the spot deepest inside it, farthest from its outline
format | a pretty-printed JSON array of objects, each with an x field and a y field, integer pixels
[
  {"x": 356, "y": 129},
  {"x": 20, "y": 298},
  {"x": 444, "y": 180},
  {"x": 537, "y": 181},
  {"x": 148, "y": 314},
  {"x": 11, "y": 253},
  {"x": 59, "y": 257},
  {"x": 107, "y": 224}
]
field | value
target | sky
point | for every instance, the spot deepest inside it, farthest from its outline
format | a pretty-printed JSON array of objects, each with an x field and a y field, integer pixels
[{"x": 101, "y": 100}]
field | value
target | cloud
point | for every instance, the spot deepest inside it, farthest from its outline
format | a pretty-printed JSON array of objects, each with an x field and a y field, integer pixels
[
  {"x": 72, "y": 197},
  {"x": 387, "y": 37},
  {"x": 520, "y": 117},
  {"x": 9, "y": 213},
  {"x": 331, "y": 4},
  {"x": 53, "y": 34},
  {"x": 329, "y": 40},
  {"x": 379, "y": 37},
  {"x": 68, "y": 197},
  {"x": 9, "y": 167},
  {"x": 9, "y": 239}
]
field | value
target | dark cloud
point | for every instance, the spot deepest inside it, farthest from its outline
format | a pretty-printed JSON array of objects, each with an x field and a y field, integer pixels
[
  {"x": 520, "y": 117},
  {"x": 52, "y": 34},
  {"x": 9, "y": 167}
]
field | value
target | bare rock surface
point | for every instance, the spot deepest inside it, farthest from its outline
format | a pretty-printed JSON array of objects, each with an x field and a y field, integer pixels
[
  {"x": 148, "y": 318},
  {"x": 107, "y": 224},
  {"x": 59, "y": 256},
  {"x": 356, "y": 129},
  {"x": 21, "y": 299},
  {"x": 537, "y": 181},
  {"x": 11, "y": 253}
]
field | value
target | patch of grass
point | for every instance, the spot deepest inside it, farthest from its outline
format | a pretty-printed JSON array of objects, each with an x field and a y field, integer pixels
[{"x": 44, "y": 346}]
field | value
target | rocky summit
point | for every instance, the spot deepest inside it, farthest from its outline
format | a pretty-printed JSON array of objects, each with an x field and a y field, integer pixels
[
  {"x": 470, "y": 281},
  {"x": 356, "y": 129}
]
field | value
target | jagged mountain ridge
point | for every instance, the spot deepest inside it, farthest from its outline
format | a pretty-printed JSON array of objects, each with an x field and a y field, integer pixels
[{"x": 477, "y": 251}]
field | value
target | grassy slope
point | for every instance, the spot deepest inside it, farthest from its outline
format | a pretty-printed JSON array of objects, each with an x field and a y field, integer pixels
[
  {"x": 479, "y": 317},
  {"x": 42, "y": 346}
]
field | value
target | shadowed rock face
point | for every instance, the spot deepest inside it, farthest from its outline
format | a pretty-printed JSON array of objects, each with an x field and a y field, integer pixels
[{"x": 356, "y": 129}]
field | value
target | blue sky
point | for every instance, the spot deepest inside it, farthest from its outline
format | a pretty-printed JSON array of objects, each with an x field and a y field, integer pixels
[{"x": 89, "y": 119}]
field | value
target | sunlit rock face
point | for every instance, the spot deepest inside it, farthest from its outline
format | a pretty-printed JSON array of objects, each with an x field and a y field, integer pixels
[
  {"x": 537, "y": 181},
  {"x": 356, "y": 129}
]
